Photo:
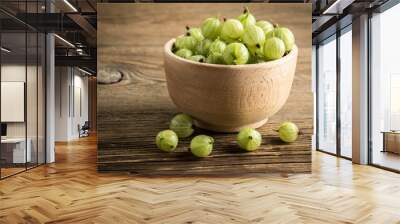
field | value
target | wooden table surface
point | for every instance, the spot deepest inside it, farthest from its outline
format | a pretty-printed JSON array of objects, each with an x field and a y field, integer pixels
[{"x": 132, "y": 111}]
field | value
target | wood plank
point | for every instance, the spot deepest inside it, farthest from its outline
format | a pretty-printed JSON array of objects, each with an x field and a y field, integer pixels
[{"x": 132, "y": 111}]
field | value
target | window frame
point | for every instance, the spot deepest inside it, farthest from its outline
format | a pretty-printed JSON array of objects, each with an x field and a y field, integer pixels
[{"x": 334, "y": 37}]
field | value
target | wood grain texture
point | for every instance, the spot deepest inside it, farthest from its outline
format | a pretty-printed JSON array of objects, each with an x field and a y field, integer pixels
[
  {"x": 132, "y": 111},
  {"x": 72, "y": 191}
]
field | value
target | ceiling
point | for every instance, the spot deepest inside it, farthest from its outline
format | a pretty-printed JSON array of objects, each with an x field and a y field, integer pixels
[
  {"x": 39, "y": 6},
  {"x": 74, "y": 22},
  {"x": 332, "y": 15}
]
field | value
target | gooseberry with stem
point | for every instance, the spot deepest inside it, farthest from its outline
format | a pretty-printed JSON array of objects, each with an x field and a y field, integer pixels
[
  {"x": 253, "y": 35},
  {"x": 232, "y": 29},
  {"x": 246, "y": 18},
  {"x": 211, "y": 28},
  {"x": 249, "y": 139},
  {"x": 196, "y": 33},
  {"x": 288, "y": 132}
]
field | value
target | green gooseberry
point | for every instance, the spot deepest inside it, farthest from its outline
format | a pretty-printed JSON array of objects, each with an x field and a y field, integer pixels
[
  {"x": 256, "y": 51},
  {"x": 203, "y": 47},
  {"x": 182, "y": 125},
  {"x": 246, "y": 18},
  {"x": 288, "y": 132},
  {"x": 215, "y": 58},
  {"x": 253, "y": 35},
  {"x": 274, "y": 48},
  {"x": 197, "y": 58},
  {"x": 236, "y": 54},
  {"x": 249, "y": 139},
  {"x": 201, "y": 145},
  {"x": 196, "y": 33},
  {"x": 265, "y": 26},
  {"x": 285, "y": 35},
  {"x": 232, "y": 29},
  {"x": 167, "y": 140},
  {"x": 187, "y": 42},
  {"x": 217, "y": 46},
  {"x": 184, "y": 53},
  {"x": 211, "y": 27}
]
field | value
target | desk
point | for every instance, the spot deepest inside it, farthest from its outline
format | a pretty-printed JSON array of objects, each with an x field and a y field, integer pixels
[
  {"x": 16, "y": 147},
  {"x": 391, "y": 141}
]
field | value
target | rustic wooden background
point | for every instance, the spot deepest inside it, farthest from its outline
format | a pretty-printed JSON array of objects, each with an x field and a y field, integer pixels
[{"x": 132, "y": 110}]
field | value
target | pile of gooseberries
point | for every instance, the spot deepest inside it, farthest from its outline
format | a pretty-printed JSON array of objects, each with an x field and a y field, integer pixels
[
  {"x": 248, "y": 139},
  {"x": 235, "y": 41}
]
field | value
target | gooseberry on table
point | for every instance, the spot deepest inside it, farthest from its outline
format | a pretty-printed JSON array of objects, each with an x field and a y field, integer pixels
[
  {"x": 288, "y": 132},
  {"x": 249, "y": 139},
  {"x": 167, "y": 140},
  {"x": 201, "y": 145},
  {"x": 182, "y": 125}
]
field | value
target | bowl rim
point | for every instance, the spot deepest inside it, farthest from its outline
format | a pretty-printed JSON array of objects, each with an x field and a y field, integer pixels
[{"x": 292, "y": 53}]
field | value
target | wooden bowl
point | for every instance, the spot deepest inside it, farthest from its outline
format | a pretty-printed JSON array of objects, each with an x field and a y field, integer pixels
[{"x": 226, "y": 98}]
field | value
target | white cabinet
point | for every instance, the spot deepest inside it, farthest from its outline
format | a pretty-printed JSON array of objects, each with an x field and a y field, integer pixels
[{"x": 19, "y": 155}]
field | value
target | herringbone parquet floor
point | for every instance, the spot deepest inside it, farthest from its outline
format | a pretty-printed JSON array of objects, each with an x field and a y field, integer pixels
[{"x": 71, "y": 191}]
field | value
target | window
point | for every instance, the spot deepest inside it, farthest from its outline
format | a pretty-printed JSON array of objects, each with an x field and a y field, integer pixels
[
  {"x": 346, "y": 92},
  {"x": 333, "y": 137},
  {"x": 327, "y": 96},
  {"x": 22, "y": 77},
  {"x": 385, "y": 89}
]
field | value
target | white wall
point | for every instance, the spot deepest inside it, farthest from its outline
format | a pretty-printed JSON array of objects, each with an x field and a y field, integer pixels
[
  {"x": 33, "y": 126},
  {"x": 81, "y": 82},
  {"x": 15, "y": 73},
  {"x": 62, "y": 82},
  {"x": 70, "y": 83}
]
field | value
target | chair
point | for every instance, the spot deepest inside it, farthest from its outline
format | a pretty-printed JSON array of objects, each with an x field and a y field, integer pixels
[{"x": 84, "y": 130}]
